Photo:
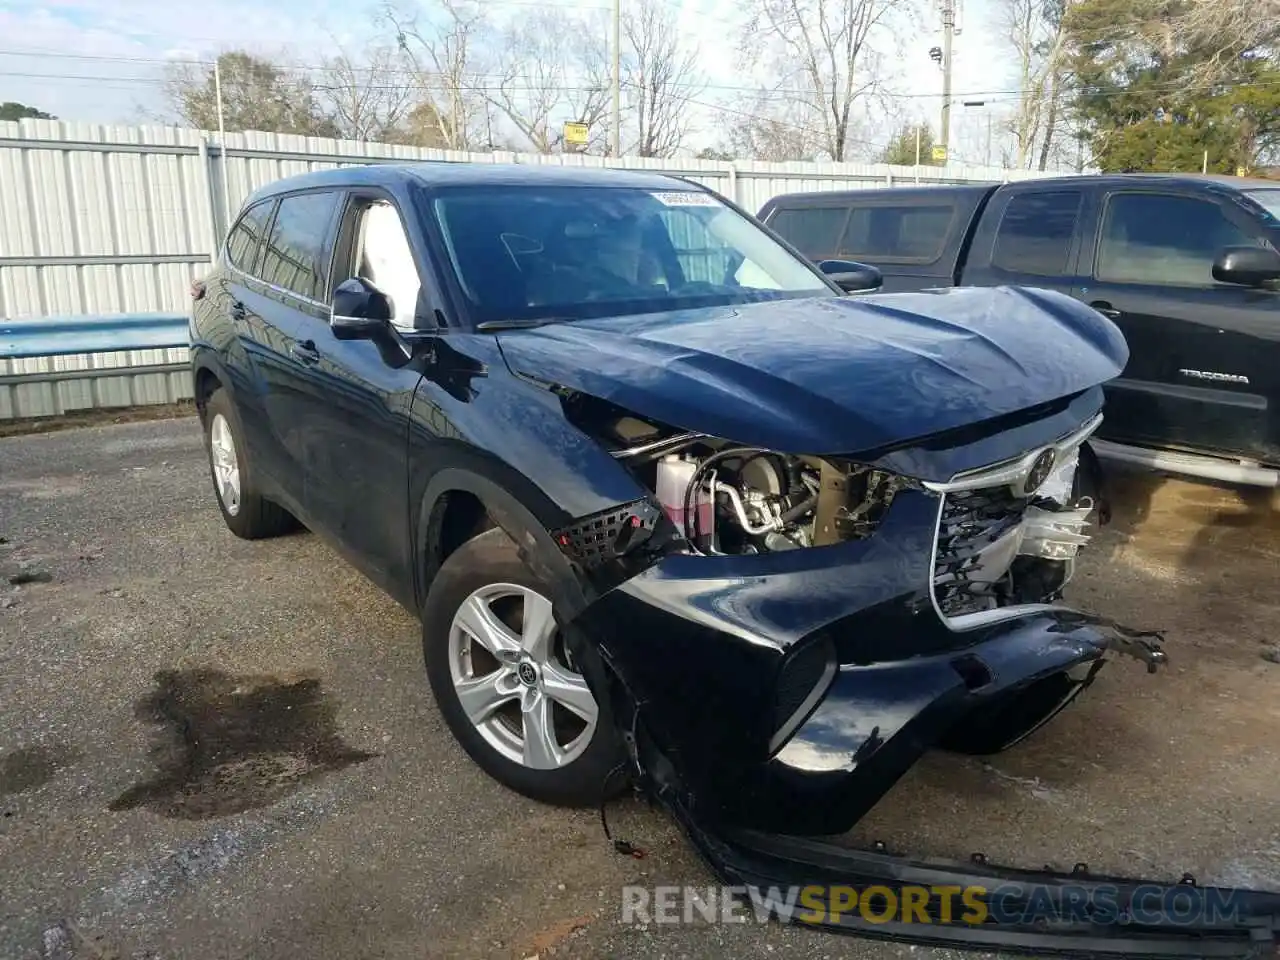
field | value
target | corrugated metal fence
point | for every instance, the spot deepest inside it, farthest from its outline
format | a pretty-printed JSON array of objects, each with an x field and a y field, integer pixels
[{"x": 109, "y": 219}]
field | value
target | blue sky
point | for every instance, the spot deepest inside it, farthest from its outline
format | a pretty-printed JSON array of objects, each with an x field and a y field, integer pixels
[{"x": 43, "y": 38}]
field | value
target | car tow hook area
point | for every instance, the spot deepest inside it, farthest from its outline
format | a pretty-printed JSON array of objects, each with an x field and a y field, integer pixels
[{"x": 981, "y": 905}]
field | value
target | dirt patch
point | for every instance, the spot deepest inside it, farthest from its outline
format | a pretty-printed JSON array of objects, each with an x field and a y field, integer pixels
[
  {"x": 31, "y": 767},
  {"x": 224, "y": 744},
  {"x": 96, "y": 418},
  {"x": 547, "y": 939}
]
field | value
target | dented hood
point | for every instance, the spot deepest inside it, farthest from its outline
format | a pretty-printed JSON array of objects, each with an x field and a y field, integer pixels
[{"x": 833, "y": 374}]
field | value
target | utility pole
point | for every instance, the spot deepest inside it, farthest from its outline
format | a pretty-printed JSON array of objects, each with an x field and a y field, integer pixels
[
  {"x": 948, "y": 29},
  {"x": 616, "y": 133},
  {"x": 222, "y": 146}
]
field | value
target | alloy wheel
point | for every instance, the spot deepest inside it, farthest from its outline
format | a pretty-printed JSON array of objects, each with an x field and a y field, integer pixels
[
  {"x": 226, "y": 467},
  {"x": 515, "y": 679}
]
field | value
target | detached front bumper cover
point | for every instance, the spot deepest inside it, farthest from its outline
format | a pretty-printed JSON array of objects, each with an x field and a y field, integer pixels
[{"x": 979, "y": 905}]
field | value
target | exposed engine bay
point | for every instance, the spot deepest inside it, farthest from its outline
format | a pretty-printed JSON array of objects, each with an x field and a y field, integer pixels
[
  {"x": 1006, "y": 536},
  {"x": 743, "y": 500}
]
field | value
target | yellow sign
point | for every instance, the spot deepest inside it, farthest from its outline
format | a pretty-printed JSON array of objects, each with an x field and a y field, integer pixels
[
  {"x": 940, "y": 154},
  {"x": 1240, "y": 171},
  {"x": 576, "y": 134}
]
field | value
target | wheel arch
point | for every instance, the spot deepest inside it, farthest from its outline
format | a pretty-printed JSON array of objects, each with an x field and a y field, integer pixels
[
  {"x": 459, "y": 503},
  {"x": 207, "y": 375}
]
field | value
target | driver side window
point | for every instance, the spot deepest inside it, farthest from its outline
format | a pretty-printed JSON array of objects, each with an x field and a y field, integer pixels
[
  {"x": 1163, "y": 239},
  {"x": 384, "y": 258}
]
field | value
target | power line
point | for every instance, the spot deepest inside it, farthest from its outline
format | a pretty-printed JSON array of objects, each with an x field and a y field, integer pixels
[{"x": 499, "y": 81}]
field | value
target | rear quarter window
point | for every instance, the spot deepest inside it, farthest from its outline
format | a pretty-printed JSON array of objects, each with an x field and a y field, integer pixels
[{"x": 247, "y": 234}]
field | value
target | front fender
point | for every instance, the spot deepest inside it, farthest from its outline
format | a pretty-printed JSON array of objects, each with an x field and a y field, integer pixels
[
  {"x": 525, "y": 521},
  {"x": 508, "y": 443}
]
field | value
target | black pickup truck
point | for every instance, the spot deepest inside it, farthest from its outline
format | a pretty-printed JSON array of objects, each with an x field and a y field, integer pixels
[{"x": 1186, "y": 266}]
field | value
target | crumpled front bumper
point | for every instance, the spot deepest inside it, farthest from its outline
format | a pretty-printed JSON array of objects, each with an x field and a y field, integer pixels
[
  {"x": 979, "y": 905},
  {"x": 789, "y": 692},
  {"x": 875, "y": 721}
]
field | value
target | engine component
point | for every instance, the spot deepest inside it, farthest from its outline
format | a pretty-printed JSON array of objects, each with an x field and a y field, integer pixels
[
  {"x": 743, "y": 500},
  {"x": 675, "y": 476}
]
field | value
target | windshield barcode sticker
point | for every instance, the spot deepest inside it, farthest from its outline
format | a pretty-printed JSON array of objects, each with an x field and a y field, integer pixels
[{"x": 673, "y": 198}]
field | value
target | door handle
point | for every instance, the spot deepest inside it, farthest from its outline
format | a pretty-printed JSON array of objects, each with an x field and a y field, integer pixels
[
  {"x": 1106, "y": 309},
  {"x": 237, "y": 310},
  {"x": 305, "y": 350}
]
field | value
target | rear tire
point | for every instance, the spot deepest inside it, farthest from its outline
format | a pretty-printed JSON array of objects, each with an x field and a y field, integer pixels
[
  {"x": 532, "y": 715},
  {"x": 246, "y": 512}
]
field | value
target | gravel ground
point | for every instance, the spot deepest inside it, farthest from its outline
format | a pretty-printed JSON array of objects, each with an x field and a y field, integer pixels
[{"x": 213, "y": 748}]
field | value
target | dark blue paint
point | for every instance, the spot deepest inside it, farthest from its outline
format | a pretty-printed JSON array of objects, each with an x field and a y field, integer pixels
[
  {"x": 369, "y": 443},
  {"x": 833, "y": 375}
]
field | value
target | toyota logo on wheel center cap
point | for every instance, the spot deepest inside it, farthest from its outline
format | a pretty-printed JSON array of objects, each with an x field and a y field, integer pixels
[
  {"x": 527, "y": 673},
  {"x": 1039, "y": 471}
]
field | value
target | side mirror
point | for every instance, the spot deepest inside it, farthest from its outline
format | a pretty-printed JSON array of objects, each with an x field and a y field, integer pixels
[
  {"x": 360, "y": 310},
  {"x": 1247, "y": 266},
  {"x": 851, "y": 276}
]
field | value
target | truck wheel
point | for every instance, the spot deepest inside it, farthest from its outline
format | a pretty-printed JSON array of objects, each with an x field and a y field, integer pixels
[
  {"x": 245, "y": 511},
  {"x": 529, "y": 713}
]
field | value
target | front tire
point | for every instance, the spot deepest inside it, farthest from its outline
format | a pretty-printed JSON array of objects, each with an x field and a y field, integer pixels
[
  {"x": 513, "y": 695},
  {"x": 246, "y": 512}
]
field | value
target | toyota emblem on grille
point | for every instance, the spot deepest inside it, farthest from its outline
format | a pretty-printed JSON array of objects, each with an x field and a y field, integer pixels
[{"x": 1039, "y": 471}]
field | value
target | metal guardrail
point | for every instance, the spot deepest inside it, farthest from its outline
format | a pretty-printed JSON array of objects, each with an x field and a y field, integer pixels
[
  {"x": 67, "y": 336},
  {"x": 63, "y": 336}
]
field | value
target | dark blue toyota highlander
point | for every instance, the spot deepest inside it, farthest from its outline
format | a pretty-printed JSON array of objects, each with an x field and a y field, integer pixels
[{"x": 675, "y": 506}]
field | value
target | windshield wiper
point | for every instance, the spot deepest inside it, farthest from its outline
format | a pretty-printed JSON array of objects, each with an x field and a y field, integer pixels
[{"x": 527, "y": 323}]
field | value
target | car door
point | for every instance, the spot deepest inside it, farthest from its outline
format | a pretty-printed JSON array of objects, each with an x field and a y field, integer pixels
[
  {"x": 1204, "y": 362},
  {"x": 357, "y": 469},
  {"x": 243, "y": 300},
  {"x": 294, "y": 268}
]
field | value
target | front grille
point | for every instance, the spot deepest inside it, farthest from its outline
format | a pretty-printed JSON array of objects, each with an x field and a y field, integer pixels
[{"x": 979, "y": 532}]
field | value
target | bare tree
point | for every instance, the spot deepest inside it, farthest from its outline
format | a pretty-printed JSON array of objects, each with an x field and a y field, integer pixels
[
  {"x": 660, "y": 78},
  {"x": 257, "y": 94},
  {"x": 825, "y": 50},
  {"x": 588, "y": 96},
  {"x": 1035, "y": 31},
  {"x": 1223, "y": 30},
  {"x": 761, "y": 130},
  {"x": 532, "y": 67},
  {"x": 442, "y": 59},
  {"x": 368, "y": 100}
]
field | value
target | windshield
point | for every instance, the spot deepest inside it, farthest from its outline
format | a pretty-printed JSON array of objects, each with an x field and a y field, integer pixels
[
  {"x": 1268, "y": 198},
  {"x": 576, "y": 252}
]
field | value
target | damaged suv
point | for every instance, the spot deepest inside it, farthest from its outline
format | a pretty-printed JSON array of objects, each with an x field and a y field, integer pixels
[{"x": 666, "y": 500}]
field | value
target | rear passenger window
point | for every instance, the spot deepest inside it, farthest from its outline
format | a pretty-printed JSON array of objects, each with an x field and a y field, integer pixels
[
  {"x": 1034, "y": 236},
  {"x": 908, "y": 234},
  {"x": 242, "y": 244},
  {"x": 815, "y": 232},
  {"x": 1149, "y": 238},
  {"x": 296, "y": 256}
]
